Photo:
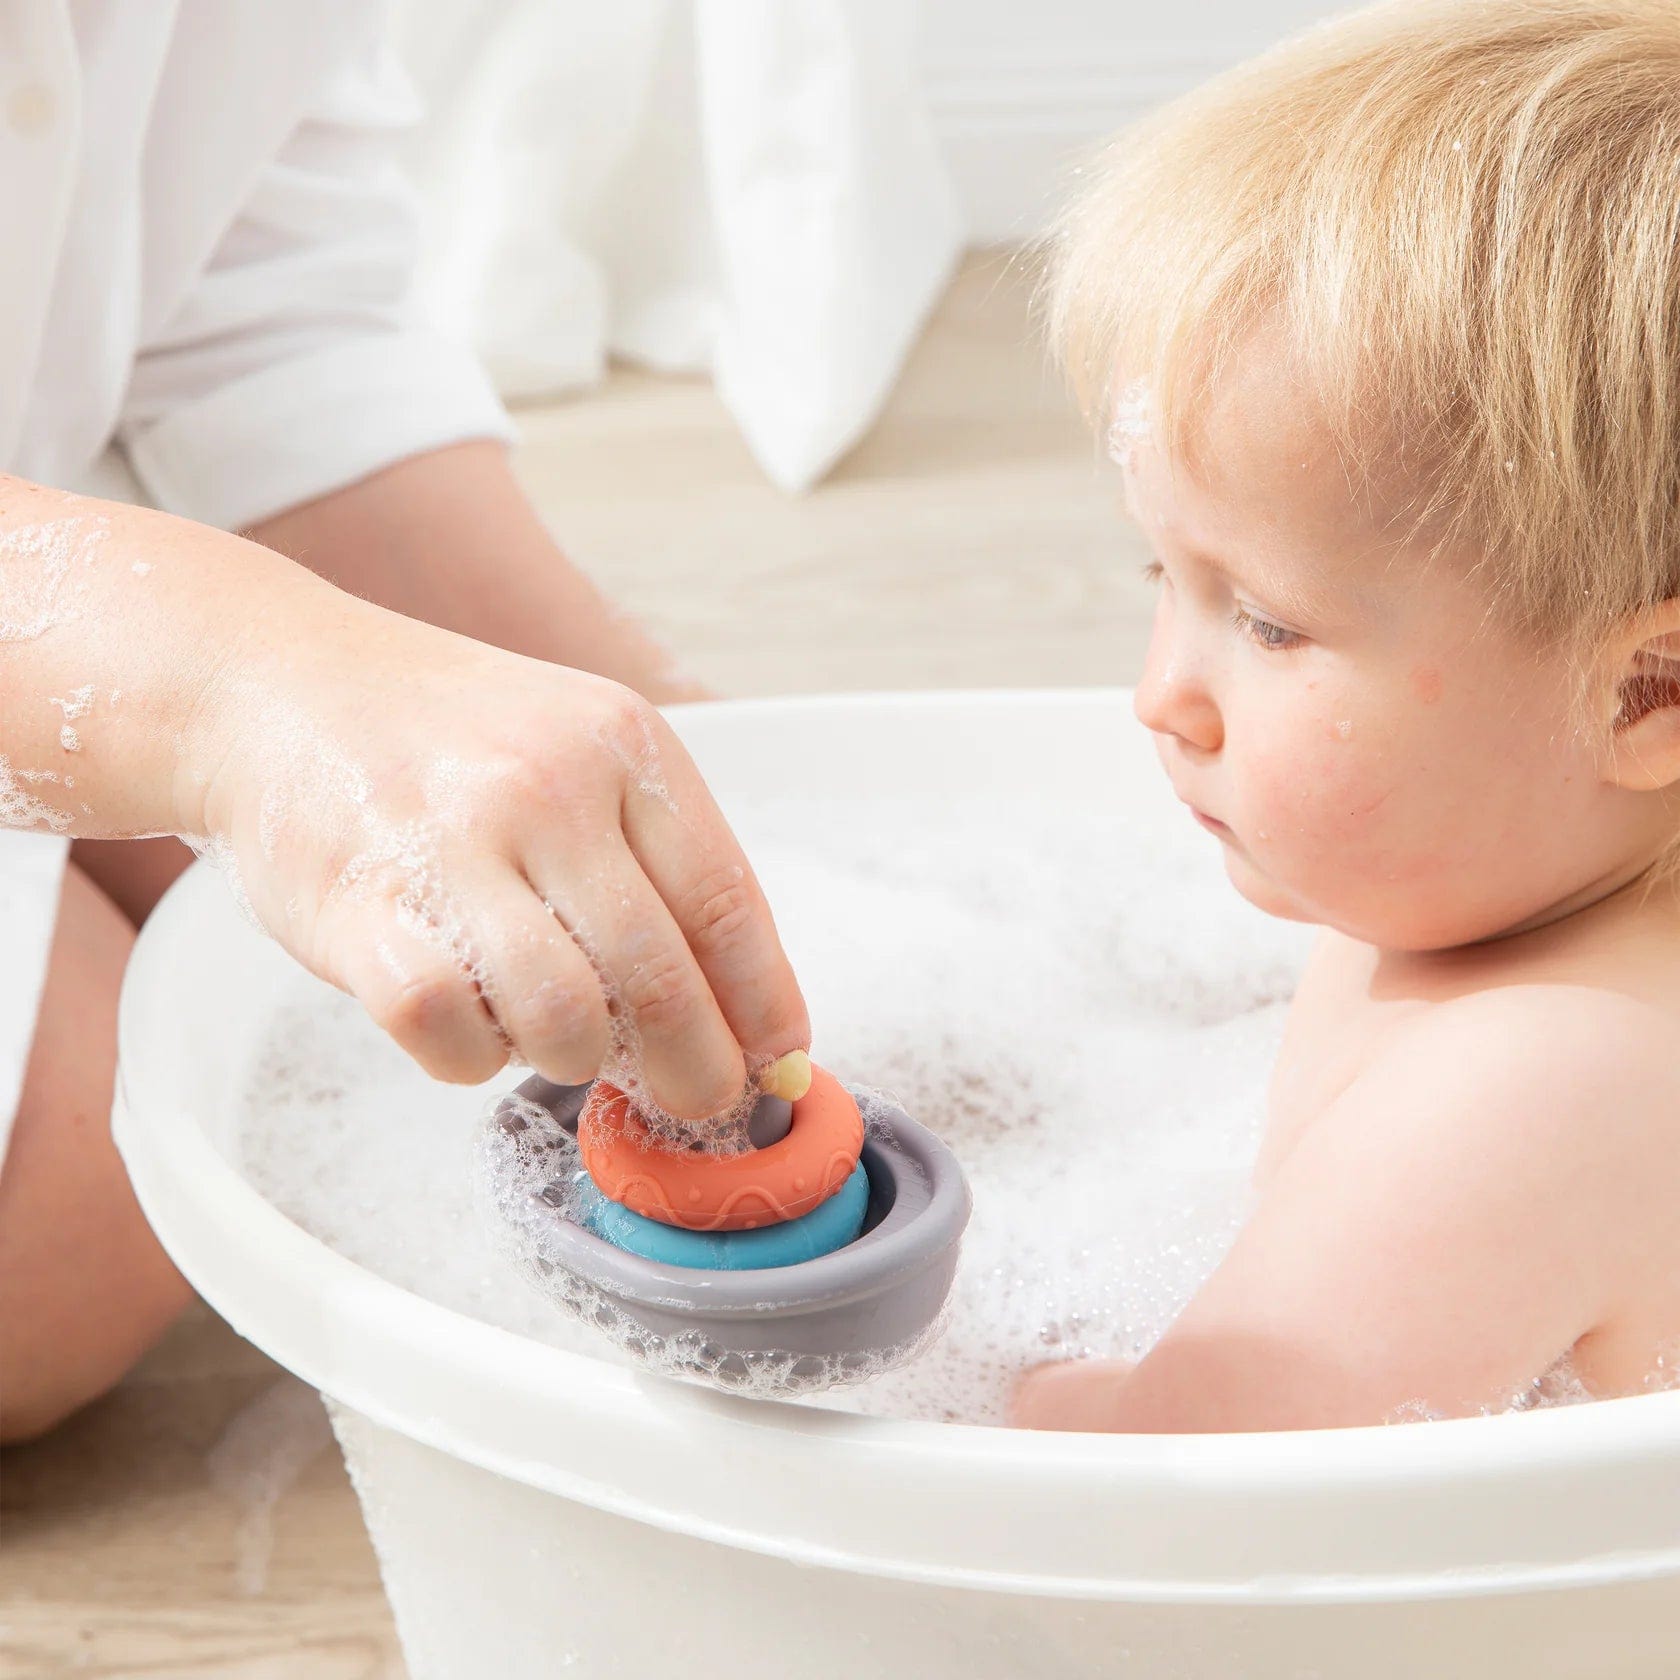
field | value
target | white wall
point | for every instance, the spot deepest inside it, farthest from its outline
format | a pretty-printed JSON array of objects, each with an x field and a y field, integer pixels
[{"x": 1017, "y": 87}]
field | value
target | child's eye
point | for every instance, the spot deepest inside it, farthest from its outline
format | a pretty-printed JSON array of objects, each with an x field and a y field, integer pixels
[
  {"x": 1263, "y": 632},
  {"x": 1153, "y": 571}
]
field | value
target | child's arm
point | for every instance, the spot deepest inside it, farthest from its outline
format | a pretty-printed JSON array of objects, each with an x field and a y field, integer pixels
[
  {"x": 422, "y": 820},
  {"x": 1455, "y": 1222}
]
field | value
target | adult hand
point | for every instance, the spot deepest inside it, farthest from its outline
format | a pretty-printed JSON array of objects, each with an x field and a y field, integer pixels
[{"x": 494, "y": 854}]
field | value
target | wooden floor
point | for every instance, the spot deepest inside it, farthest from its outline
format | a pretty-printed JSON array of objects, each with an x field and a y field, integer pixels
[{"x": 197, "y": 1523}]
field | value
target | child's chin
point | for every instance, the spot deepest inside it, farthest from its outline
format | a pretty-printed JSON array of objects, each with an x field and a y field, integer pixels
[{"x": 1261, "y": 890}]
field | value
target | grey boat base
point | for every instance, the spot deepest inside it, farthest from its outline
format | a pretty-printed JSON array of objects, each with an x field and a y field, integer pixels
[{"x": 840, "y": 1318}]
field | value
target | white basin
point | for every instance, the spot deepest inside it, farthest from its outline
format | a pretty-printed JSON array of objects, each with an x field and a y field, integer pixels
[{"x": 538, "y": 1511}]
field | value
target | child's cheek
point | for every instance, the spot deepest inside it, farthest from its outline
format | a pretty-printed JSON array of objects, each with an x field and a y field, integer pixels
[{"x": 1326, "y": 784}]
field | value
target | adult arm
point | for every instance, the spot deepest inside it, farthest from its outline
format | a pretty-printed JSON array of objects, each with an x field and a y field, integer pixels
[{"x": 485, "y": 849}]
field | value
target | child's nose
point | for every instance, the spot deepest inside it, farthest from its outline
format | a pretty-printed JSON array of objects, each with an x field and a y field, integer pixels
[{"x": 1173, "y": 698}]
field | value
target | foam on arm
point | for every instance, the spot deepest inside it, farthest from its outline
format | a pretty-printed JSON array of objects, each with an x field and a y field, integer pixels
[{"x": 114, "y": 622}]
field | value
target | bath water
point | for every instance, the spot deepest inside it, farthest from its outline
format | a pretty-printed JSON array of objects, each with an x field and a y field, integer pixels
[{"x": 1086, "y": 1011}]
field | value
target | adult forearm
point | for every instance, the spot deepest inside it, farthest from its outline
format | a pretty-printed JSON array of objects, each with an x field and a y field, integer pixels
[
  {"x": 480, "y": 846},
  {"x": 114, "y": 622},
  {"x": 449, "y": 537}
]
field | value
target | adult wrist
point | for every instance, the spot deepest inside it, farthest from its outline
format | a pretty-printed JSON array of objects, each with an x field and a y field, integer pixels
[{"x": 229, "y": 683}]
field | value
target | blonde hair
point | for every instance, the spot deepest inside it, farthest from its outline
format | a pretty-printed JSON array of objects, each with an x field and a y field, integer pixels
[{"x": 1468, "y": 214}]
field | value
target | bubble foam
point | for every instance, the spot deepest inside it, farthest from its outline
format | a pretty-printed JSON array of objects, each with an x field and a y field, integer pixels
[
  {"x": 42, "y": 573},
  {"x": 21, "y": 809},
  {"x": 1085, "y": 1012}
]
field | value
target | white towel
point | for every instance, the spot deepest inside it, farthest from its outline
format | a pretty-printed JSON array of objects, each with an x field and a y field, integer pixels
[{"x": 750, "y": 188}]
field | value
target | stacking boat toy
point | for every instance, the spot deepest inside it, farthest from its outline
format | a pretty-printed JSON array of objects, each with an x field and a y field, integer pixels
[{"x": 822, "y": 1255}]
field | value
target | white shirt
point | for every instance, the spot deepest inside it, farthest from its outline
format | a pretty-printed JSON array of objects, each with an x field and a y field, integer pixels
[{"x": 208, "y": 254}]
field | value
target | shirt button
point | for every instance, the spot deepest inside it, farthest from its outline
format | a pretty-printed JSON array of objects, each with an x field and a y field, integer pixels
[{"x": 30, "y": 107}]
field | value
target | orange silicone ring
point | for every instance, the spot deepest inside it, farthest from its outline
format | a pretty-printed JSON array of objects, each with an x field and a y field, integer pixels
[{"x": 722, "y": 1193}]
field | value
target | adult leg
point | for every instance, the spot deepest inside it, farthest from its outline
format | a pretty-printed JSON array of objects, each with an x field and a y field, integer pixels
[
  {"x": 133, "y": 874},
  {"x": 84, "y": 1287}
]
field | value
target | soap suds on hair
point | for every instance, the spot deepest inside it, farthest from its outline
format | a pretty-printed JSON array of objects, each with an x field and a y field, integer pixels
[{"x": 1131, "y": 425}]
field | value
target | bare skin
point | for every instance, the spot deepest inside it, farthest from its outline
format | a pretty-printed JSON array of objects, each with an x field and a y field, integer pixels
[
  {"x": 567, "y": 807},
  {"x": 1473, "y": 1156},
  {"x": 450, "y": 539},
  {"x": 77, "y": 1260}
]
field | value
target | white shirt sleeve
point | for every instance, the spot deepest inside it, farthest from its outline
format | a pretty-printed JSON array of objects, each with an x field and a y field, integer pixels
[{"x": 294, "y": 368}]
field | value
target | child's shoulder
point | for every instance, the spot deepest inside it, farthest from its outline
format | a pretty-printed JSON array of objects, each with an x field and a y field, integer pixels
[
  {"x": 1560, "y": 1045},
  {"x": 1494, "y": 1185},
  {"x": 1537, "y": 1100},
  {"x": 1570, "y": 1027}
]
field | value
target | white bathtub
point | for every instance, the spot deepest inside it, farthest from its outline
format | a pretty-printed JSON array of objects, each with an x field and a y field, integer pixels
[{"x": 538, "y": 1512}]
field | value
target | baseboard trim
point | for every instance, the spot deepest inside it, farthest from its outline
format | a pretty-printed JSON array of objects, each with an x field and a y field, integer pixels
[{"x": 1012, "y": 125}]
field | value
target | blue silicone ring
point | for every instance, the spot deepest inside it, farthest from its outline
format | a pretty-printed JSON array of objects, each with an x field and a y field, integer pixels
[{"x": 828, "y": 1226}]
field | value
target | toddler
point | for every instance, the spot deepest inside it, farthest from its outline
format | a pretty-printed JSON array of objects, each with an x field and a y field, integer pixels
[{"x": 1384, "y": 331}]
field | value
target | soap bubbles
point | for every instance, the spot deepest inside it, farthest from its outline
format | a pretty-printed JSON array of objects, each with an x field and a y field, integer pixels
[
  {"x": 1083, "y": 1009},
  {"x": 1077, "y": 1003}
]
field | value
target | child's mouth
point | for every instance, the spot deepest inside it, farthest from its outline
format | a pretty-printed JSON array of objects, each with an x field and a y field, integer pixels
[{"x": 1212, "y": 824}]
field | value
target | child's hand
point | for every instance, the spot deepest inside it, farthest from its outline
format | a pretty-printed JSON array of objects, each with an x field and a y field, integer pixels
[
  {"x": 1069, "y": 1394},
  {"x": 486, "y": 849}
]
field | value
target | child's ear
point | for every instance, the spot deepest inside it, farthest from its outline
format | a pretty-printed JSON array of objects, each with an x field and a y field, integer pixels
[{"x": 1645, "y": 728}]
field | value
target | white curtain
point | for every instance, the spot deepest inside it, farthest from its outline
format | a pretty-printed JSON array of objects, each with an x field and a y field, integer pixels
[{"x": 745, "y": 187}]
